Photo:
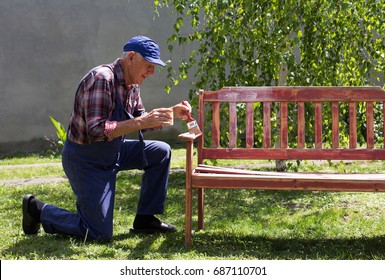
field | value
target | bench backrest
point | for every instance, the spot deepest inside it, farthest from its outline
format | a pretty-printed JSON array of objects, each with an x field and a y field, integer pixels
[{"x": 288, "y": 100}]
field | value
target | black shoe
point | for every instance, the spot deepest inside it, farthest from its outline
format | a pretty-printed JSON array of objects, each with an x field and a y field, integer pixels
[
  {"x": 31, "y": 225},
  {"x": 153, "y": 226}
]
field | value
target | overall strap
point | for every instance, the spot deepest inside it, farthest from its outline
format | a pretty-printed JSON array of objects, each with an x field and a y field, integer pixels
[{"x": 119, "y": 106}]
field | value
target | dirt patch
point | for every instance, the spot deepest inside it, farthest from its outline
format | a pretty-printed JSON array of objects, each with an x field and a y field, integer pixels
[
  {"x": 29, "y": 165},
  {"x": 32, "y": 181}
]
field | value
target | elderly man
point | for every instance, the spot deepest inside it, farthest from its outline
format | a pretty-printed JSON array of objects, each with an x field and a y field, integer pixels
[{"x": 107, "y": 106}]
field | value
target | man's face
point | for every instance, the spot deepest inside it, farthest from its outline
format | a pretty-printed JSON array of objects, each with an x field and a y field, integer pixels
[{"x": 139, "y": 69}]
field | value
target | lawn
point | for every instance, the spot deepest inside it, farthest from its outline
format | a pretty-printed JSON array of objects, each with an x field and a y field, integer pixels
[{"x": 240, "y": 224}]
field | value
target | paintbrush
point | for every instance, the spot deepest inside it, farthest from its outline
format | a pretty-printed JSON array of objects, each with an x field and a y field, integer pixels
[{"x": 192, "y": 124}]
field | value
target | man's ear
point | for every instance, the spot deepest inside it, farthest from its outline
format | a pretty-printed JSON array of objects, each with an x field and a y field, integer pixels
[{"x": 130, "y": 57}]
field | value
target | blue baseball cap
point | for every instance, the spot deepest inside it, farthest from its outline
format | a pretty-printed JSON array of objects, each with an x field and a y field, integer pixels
[{"x": 147, "y": 47}]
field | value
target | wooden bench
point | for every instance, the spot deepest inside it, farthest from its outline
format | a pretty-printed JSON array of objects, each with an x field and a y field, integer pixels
[{"x": 244, "y": 100}]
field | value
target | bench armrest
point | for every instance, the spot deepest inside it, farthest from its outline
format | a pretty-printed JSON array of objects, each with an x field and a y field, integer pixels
[{"x": 188, "y": 136}]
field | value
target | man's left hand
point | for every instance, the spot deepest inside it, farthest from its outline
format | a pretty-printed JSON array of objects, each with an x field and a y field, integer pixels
[{"x": 181, "y": 110}]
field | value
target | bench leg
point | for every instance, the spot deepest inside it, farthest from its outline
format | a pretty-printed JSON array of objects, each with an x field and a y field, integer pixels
[
  {"x": 188, "y": 218},
  {"x": 188, "y": 202},
  {"x": 201, "y": 214}
]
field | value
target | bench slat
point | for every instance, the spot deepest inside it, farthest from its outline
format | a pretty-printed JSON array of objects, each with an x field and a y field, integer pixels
[
  {"x": 335, "y": 125},
  {"x": 318, "y": 125},
  {"x": 284, "y": 125},
  {"x": 233, "y": 125},
  {"x": 301, "y": 125},
  {"x": 293, "y": 154},
  {"x": 202, "y": 168},
  {"x": 216, "y": 124},
  {"x": 308, "y": 181},
  {"x": 266, "y": 124},
  {"x": 352, "y": 125},
  {"x": 383, "y": 115},
  {"x": 249, "y": 125},
  {"x": 295, "y": 94},
  {"x": 369, "y": 125}
]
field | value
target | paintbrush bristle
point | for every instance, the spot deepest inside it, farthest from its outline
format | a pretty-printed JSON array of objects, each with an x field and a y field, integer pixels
[{"x": 194, "y": 128}]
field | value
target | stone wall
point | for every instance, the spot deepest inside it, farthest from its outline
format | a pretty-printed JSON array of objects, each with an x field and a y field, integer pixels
[{"x": 47, "y": 46}]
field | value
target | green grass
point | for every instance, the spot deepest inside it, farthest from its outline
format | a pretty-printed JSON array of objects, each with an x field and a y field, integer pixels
[
  {"x": 31, "y": 172},
  {"x": 29, "y": 159},
  {"x": 239, "y": 224}
]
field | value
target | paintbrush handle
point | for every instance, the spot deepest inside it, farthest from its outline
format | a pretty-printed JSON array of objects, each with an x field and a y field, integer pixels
[{"x": 189, "y": 118}]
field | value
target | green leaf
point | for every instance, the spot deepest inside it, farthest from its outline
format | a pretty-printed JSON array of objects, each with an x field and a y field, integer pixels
[{"x": 60, "y": 130}]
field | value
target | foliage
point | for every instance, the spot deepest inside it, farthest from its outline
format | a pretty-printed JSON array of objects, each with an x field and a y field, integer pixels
[
  {"x": 61, "y": 137},
  {"x": 250, "y": 43},
  {"x": 60, "y": 131}
]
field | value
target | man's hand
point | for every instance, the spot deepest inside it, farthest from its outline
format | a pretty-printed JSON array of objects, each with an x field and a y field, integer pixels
[
  {"x": 158, "y": 118},
  {"x": 181, "y": 110}
]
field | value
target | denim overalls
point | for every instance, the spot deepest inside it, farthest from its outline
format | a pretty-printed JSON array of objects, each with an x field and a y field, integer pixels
[{"x": 91, "y": 170}]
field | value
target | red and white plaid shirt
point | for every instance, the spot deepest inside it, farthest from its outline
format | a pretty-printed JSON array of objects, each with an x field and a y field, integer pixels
[{"x": 95, "y": 101}]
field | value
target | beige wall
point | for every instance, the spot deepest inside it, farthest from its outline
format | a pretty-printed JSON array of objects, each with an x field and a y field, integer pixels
[{"x": 46, "y": 46}]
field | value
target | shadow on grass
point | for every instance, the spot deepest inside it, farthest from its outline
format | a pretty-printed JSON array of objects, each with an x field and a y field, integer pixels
[
  {"x": 258, "y": 247},
  {"x": 214, "y": 245},
  {"x": 206, "y": 245}
]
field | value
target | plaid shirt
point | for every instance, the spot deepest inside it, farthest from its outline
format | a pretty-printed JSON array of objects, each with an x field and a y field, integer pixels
[{"x": 95, "y": 101}]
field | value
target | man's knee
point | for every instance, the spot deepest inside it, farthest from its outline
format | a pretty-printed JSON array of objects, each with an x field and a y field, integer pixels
[
  {"x": 160, "y": 149},
  {"x": 167, "y": 149},
  {"x": 104, "y": 235}
]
